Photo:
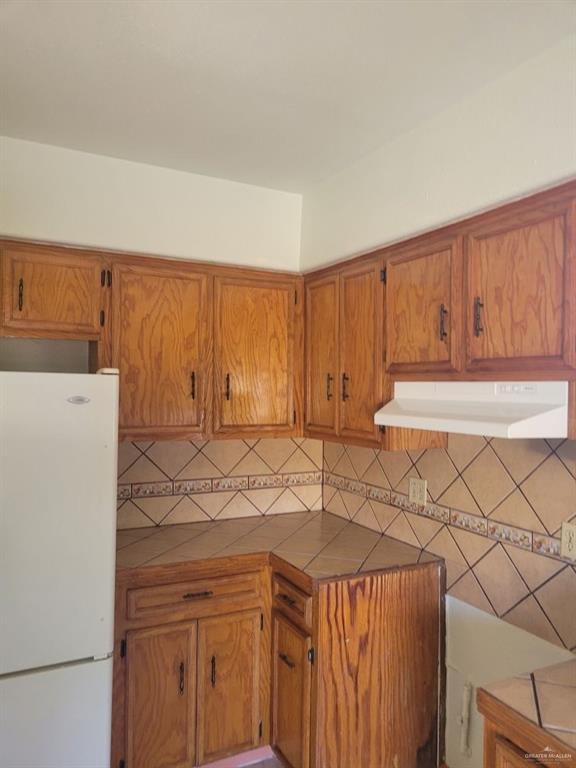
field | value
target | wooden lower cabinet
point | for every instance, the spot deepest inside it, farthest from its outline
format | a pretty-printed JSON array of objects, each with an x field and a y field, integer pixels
[
  {"x": 506, "y": 755},
  {"x": 228, "y": 685},
  {"x": 161, "y": 697},
  {"x": 292, "y": 672}
]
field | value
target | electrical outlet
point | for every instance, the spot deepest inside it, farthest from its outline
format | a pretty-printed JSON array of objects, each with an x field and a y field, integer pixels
[
  {"x": 417, "y": 491},
  {"x": 568, "y": 541}
]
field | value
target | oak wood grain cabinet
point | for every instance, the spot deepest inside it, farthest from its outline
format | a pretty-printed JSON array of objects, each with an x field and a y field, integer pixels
[
  {"x": 161, "y": 343},
  {"x": 52, "y": 292},
  {"x": 322, "y": 346},
  {"x": 521, "y": 289},
  {"x": 292, "y": 674},
  {"x": 161, "y": 698},
  {"x": 254, "y": 356},
  {"x": 228, "y": 685},
  {"x": 424, "y": 307}
]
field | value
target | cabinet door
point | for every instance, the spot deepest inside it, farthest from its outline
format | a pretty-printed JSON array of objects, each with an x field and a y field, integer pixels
[
  {"x": 228, "y": 684},
  {"x": 424, "y": 308},
  {"x": 322, "y": 355},
  {"x": 361, "y": 359},
  {"x": 506, "y": 755},
  {"x": 254, "y": 371},
  {"x": 52, "y": 292},
  {"x": 161, "y": 697},
  {"x": 521, "y": 291},
  {"x": 291, "y": 694},
  {"x": 161, "y": 346}
]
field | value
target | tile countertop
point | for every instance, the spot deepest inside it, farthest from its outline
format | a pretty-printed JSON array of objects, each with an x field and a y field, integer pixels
[
  {"x": 318, "y": 543},
  {"x": 547, "y": 697}
]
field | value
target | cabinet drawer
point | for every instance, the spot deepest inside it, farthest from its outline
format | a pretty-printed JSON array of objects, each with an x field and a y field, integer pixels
[
  {"x": 192, "y": 599},
  {"x": 292, "y": 601}
]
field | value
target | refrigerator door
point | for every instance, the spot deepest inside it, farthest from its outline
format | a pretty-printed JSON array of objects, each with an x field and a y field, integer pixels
[
  {"x": 58, "y": 453},
  {"x": 57, "y": 718}
]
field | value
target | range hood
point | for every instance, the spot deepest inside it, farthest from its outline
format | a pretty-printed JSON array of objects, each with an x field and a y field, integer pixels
[{"x": 490, "y": 408}]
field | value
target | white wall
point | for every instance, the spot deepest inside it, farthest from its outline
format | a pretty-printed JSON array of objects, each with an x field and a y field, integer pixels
[
  {"x": 61, "y": 195},
  {"x": 480, "y": 649},
  {"x": 514, "y": 136}
]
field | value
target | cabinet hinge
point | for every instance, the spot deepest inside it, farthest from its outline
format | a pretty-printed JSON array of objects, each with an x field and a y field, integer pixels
[
  {"x": 102, "y": 317},
  {"x": 311, "y": 655},
  {"x": 261, "y": 621},
  {"x": 383, "y": 275},
  {"x": 122, "y": 648},
  {"x": 382, "y": 428},
  {"x": 103, "y": 278},
  {"x": 260, "y": 728}
]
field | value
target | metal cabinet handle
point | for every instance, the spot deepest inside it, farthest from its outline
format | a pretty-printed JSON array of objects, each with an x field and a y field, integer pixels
[
  {"x": 287, "y": 660},
  {"x": 329, "y": 380},
  {"x": 21, "y": 294},
  {"x": 286, "y": 599},
  {"x": 478, "y": 307},
  {"x": 345, "y": 380},
  {"x": 193, "y": 385},
  {"x": 213, "y": 671},
  {"x": 197, "y": 595},
  {"x": 228, "y": 391},
  {"x": 442, "y": 332},
  {"x": 181, "y": 683}
]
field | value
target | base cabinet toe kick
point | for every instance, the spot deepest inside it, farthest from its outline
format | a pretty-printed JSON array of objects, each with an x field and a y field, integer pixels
[{"x": 219, "y": 657}]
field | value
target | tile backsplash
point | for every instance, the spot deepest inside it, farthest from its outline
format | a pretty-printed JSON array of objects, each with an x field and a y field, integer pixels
[
  {"x": 494, "y": 513},
  {"x": 161, "y": 483}
]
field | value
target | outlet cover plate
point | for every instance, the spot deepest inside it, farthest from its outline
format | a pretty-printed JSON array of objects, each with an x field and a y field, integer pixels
[
  {"x": 418, "y": 491},
  {"x": 568, "y": 541}
]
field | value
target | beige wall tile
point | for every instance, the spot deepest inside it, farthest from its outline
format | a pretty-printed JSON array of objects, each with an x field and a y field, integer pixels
[
  {"x": 127, "y": 455},
  {"x": 385, "y": 513},
  {"x": 469, "y": 590},
  {"x": 520, "y": 457},
  {"x": 366, "y": 517},
  {"x": 225, "y": 454},
  {"x": 199, "y": 467},
  {"x": 142, "y": 471},
  {"x": 263, "y": 498},
  {"x": 171, "y": 455},
  {"x": 332, "y": 453},
  {"x": 298, "y": 462},
  {"x": 515, "y": 510},
  {"x": 529, "y": 616},
  {"x": 314, "y": 450},
  {"x": 275, "y": 452},
  {"x": 438, "y": 470},
  {"x": 444, "y": 545},
  {"x": 395, "y": 464},
  {"x": 186, "y": 511},
  {"x": 488, "y": 481},
  {"x": 472, "y": 546},
  {"x": 463, "y": 448},
  {"x": 535, "y": 569},
  {"x": 425, "y": 528},
  {"x": 238, "y": 506},
  {"x": 129, "y": 516},
  {"x": 156, "y": 508},
  {"x": 400, "y": 529},
  {"x": 251, "y": 464},
  {"x": 309, "y": 495},
  {"x": 557, "y": 599},
  {"x": 500, "y": 580},
  {"x": 457, "y": 496},
  {"x": 551, "y": 490},
  {"x": 567, "y": 453},
  {"x": 286, "y": 502}
]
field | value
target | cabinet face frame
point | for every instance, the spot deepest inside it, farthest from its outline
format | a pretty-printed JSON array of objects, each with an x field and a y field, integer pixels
[
  {"x": 498, "y": 224},
  {"x": 18, "y": 258},
  {"x": 184, "y": 678},
  {"x": 202, "y": 366},
  {"x": 324, "y": 389},
  {"x": 450, "y": 298},
  {"x": 306, "y": 672},
  {"x": 223, "y": 388}
]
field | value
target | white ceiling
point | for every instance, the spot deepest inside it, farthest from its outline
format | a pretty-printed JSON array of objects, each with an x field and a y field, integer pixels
[{"x": 270, "y": 92}]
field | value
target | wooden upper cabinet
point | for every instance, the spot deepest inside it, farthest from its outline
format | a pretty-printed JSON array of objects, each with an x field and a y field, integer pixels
[
  {"x": 424, "y": 308},
  {"x": 161, "y": 697},
  {"x": 254, "y": 355},
  {"x": 161, "y": 344},
  {"x": 322, "y": 385},
  {"x": 52, "y": 292},
  {"x": 291, "y": 692},
  {"x": 521, "y": 290},
  {"x": 361, "y": 362},
  {"x": 228, "y": 685}
]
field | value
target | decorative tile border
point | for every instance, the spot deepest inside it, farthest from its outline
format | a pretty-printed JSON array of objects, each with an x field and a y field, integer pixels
[
  {"x": 507, "y": 534},
  {"x": 215, "y": 485}
]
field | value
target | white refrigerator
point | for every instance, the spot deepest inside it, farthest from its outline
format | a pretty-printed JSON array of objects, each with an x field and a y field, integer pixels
[{"x": 58, "y": 459}]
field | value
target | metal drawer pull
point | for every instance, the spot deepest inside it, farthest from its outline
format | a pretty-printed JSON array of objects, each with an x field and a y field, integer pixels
[
  {"x": 213, "y": 671},
  {"x": 345, "y": 380},
  {"x": 193, "y": 385},
  {"x": 329, "y": 380},
  {"x": 197, "y": 595},
  {"x": 287, "y": 660},
  {"x": 20, "y": 294},
  {"x": 228, "y": 390},
  {"x": 442, "y": 332},
  {"x": 286, "y": 599},
  {"x": 181, "y": 684},
  {"x": 478, "y": 307}
]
